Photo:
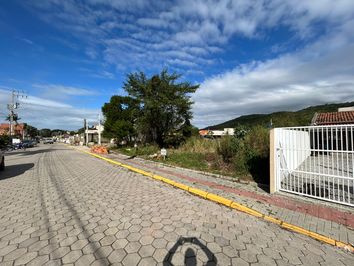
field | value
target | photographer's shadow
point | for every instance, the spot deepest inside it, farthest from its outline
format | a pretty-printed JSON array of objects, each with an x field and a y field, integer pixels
[{"x": 190, "y": 258}]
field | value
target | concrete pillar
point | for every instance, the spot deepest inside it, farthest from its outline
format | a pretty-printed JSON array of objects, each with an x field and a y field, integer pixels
[{"x": 272, "y": 166}]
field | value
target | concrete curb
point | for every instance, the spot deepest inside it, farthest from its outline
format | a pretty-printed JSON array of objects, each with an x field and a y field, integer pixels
[{"x": 231, "y": 204}]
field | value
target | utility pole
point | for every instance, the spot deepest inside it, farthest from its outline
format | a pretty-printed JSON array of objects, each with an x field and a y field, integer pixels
[
  {"x": 12, "y": 106},
  {"x": 86, "y": 131},
  {"x": 99, "y": 129}
]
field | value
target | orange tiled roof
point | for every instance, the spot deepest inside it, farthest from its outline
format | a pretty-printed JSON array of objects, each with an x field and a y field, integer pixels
[{"x": 335, "y": 118}]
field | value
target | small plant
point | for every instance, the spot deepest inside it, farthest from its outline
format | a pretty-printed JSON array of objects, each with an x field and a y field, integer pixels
[{"x": 228, "y": 147}]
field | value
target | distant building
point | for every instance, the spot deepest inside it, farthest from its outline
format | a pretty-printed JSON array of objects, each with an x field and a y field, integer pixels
[
  {"x": 216, "y": 133},
  {"x": 92, "y": 132},
  {"x": 19, "y": 129},
  {"x": 342, "y": 117},
  {"x": 346, "y": 109}
]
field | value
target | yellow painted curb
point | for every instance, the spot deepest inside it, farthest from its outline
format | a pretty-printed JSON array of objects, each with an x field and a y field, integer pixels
[
  {"x": 198, "y": 192},
  {"x": 182, "y": 186},
  {"x": 230, "y": 203},
  {"x": 272, "y": 219}
]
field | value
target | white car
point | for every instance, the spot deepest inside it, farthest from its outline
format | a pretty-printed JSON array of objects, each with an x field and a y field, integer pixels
[{"x": 48, "y": 141}]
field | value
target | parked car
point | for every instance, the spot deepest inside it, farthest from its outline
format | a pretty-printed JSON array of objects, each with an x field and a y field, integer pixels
[
  {"x": 48, "y": 141},
  {"x": 2, "y": 160},
  {"x": 27, "y": 144}
]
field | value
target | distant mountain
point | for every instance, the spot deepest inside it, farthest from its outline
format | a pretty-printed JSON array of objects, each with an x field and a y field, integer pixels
[{"x": 281, "y": 119}]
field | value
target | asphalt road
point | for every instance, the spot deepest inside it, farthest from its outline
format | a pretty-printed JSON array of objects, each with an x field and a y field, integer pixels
[{"x": 60, "y": 206}]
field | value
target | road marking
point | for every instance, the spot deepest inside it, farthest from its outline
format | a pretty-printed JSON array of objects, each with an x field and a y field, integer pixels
[{"x": 229, "y": 203}]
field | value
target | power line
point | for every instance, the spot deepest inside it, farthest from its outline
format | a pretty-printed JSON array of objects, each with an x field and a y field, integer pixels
[{"x": 13, "y": 106}]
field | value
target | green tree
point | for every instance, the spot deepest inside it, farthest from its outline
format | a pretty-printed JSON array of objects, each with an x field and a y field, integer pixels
[
  {"x": 45, "y": 132},
  {"x": 166, "y": 106},
  {"x": 31, "y": 131},
  {"x": 15, "y": 118},
  {"x": 4, "y": 141},
  {"x": 120, "y": 117}
]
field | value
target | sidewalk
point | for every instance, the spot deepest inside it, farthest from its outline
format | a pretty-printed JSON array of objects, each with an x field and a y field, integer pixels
[{"x": 331, "y": 220}]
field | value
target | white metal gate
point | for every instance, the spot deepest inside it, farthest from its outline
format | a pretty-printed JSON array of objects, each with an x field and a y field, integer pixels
[{"x": 316, "y": 161}]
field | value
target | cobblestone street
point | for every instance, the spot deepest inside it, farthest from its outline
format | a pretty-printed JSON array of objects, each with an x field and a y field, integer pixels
[{"x": 59, "y": 206}]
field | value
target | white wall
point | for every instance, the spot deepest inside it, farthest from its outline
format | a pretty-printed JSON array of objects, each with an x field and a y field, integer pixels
[{"x": 294, "y": 147}]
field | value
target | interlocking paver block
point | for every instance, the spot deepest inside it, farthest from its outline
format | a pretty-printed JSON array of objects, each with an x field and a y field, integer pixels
[
  {"x": 39, "y": 260},
  {"x": 132, "y": 247},
  {"x": 59, "y": 253},
  {"x": 79, "y": 244},
  {"x": 72, "y": 256},
  {"x": 85, "y": 260},
  {"x": 146, "y": 251},
  {"x": 25, "y": 258},
  {"x": 13, "y": 255},
  {"x": 72, "y": 208},
  {"x": 131, "y": 259},
  {"x": 117, "y": 255}
]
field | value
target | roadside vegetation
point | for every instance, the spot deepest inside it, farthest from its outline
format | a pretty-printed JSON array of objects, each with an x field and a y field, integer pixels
[
  {"x": 155, "y": 113},
  {"x": 243, "y": 156}
]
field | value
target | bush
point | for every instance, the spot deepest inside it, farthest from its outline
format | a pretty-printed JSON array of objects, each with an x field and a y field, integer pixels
[
  {"x": 146, "y": 150},
  {"x": 228, "y": 147},
  {"x": 4, "y": 141},
  {"x": 257, "y": 142},
  {"x": 199, "y": 145},
  {"x": 257, "y": 153}
]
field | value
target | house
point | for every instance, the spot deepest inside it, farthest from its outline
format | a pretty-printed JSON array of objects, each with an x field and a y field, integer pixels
[
  {"x": 338, "y": 137},
  {"x": 333, "y": 118},
  {"x": 18, "y": 130},
  {"x": 216, "y": 133}
]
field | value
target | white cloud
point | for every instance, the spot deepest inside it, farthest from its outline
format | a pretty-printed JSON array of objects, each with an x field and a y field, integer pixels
[
  {"x": 58, "y": 91},
  {"x": 45, "y": 113},
  {"x": 320, "y": 73},
  {"x": 134, "y": 34},
  {"x": 148, "y": 35}
]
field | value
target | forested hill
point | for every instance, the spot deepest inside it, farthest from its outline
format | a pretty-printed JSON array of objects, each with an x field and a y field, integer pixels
[{"x": 281, "y": 119}]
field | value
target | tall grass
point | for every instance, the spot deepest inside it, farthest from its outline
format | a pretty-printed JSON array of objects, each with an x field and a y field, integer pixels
[{"x": 199, "y": 145}]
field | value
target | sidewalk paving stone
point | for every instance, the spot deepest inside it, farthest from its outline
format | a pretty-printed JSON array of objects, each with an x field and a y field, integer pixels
[{"x": 79, "y": 210}]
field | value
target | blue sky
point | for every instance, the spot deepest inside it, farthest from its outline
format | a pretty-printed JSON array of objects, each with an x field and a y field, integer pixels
[{"x": 249, "y": 56}]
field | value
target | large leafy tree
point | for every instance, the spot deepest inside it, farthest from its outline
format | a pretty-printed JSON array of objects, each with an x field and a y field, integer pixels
[
  {"x": 45, "y": 132},
  {"x": 120, "y": 116},
  {"x": 31, "y": 131},
  {"x": 165, "y": 104}
]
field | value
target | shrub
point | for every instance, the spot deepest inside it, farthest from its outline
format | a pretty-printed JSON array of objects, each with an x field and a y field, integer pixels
[
  {"x": 4, "y": 141},
  {"x": 199, "y": 145},
  {"x": 257, "y": 153},
  {"x": 228, "y": 147},
  {"x": 257, "y": 142},
  {"x": 146, "y": 150}
]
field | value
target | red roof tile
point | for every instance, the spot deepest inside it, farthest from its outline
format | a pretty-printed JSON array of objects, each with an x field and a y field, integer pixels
[{"x": 335, "y": 118}]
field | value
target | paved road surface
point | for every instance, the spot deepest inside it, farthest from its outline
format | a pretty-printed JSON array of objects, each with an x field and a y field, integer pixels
[{"x": 59, "y": 206}]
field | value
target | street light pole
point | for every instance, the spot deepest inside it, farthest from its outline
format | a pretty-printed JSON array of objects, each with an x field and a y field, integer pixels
[
  {"x": 14, "y": 104},
  {"x": 86, "y": 131}
]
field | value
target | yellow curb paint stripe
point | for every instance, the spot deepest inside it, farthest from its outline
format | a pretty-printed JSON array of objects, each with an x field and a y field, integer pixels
[
  {"x": 245, "y": 209},
  {"x": 272, "y": 219},
  {"x": 231, "y": 204},
  {"x": 219, "y": 199},
  {"x": 182, "y": 186},
  {"x": 157, "y": 177},
  {"x": 198, "y": 192},
  {"x": 168, "y": 181},
  {"x": 347, "y": 247}
]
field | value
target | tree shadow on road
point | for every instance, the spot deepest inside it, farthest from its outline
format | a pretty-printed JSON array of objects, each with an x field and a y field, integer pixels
[
  {"x": 60, "y": 190},
  {"x": 190, "y": 258},
  {"x": 29, "y": 152},
  {"x": 15, "y": 170}
]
